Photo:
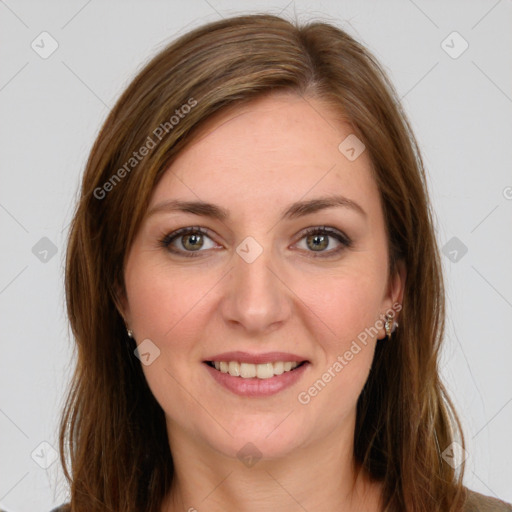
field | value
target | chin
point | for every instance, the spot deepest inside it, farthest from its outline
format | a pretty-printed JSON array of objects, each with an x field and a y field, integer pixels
[{"x": 260, "y": 438}]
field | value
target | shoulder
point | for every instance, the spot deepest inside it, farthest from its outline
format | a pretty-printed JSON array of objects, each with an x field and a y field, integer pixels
[
  {"x": 476, "y": 502},
  {"x": 62, "y": 508}
]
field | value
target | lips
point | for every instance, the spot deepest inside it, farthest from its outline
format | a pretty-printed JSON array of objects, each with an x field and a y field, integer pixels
[
  {"x": 246, "y": 357},
  {"x": 256, "y": 380},
  {"x": 249, "y": 370}
]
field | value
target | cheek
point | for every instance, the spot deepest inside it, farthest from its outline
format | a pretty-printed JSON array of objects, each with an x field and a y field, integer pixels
[
  {"x": 347, "y": 307},
  {"x": 345, "y": 303},
  {"x": 161, "y": 302},
  {"x": 167, "y": 308}
]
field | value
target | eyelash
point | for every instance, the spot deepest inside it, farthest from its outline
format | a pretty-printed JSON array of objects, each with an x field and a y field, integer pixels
[{"x": 345, "y": 241}]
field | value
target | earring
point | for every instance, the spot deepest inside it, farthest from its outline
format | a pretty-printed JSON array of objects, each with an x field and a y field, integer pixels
[
  {"x": 389, "y": 325},
  {"x": 129, "y": 332}
]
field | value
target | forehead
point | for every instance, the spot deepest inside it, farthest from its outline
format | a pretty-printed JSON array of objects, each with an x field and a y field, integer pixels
[{"x": 279, "y": 148}]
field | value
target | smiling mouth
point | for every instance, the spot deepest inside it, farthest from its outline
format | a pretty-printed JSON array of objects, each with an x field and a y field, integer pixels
[{"x": 251, "y": 371}]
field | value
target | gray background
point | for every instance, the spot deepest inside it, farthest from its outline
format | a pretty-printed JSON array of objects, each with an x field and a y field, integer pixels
[{"x": 52, "y": 109}]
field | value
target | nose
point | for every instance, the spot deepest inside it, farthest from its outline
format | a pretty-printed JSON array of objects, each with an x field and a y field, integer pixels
[{"x": 256, "y": 298}]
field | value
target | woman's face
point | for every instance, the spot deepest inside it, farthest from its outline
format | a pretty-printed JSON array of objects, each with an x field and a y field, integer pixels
[{"x": 248, "y": 278}]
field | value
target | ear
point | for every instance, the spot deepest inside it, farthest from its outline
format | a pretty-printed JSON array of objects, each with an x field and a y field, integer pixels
[
  {"x": 395, "y": 292},
  {"x": 396, "y": 285},
  {"x": 121, "y": 302}
]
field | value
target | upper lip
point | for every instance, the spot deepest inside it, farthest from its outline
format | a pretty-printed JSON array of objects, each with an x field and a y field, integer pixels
[{"x": 267, "y": 357}]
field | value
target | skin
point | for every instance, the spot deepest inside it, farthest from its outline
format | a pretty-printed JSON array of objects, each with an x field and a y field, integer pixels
[{"x": 255, "y": 161}]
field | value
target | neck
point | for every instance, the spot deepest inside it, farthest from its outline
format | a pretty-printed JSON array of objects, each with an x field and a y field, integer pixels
[{"x": 321, "y": 476}]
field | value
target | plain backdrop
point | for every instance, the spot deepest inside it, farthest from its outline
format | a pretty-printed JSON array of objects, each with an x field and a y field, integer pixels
[{"x": 457, "y": 91}]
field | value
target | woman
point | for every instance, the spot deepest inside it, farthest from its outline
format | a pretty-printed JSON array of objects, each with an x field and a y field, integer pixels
[{"x": 255, "y": 289}]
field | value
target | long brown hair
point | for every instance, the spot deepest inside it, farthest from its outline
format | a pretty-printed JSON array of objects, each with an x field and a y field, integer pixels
[{"x": 113, "y": 440}]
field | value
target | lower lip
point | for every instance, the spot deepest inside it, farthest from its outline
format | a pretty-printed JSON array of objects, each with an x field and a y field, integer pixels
[{"x": 255, "y": 387}]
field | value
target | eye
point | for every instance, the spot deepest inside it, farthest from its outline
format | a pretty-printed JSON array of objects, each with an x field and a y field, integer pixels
[
  {"x": 190, "y": 240},
  {"x": 318, "y": 239},
  {"x": 187, "y": 240}
]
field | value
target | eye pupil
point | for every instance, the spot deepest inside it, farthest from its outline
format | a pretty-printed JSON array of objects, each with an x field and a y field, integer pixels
[
  {"x": 194, "y": 239},
  {"x": 319, "y": 241}
]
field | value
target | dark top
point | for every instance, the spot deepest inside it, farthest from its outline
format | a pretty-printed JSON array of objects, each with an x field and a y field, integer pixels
[
  {"x": 475, "y": 503},
  {"x": 479, "y": 503}
]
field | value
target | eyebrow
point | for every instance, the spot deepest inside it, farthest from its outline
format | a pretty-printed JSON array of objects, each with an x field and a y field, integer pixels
[{"x": 294, "y": 211}]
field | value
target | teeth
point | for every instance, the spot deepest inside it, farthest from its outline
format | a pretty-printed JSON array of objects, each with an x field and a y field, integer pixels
[
  {"x": 249, "y": 370},
  {"x": 234, "y": 368},
  {"x": 278, "y": 368}
]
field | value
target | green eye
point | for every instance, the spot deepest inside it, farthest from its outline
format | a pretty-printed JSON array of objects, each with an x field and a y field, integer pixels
[
  {"x": 191, "y": 239},
  {"x": 318, "y": 239}
]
